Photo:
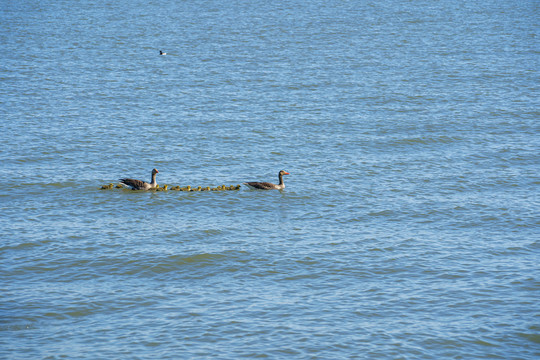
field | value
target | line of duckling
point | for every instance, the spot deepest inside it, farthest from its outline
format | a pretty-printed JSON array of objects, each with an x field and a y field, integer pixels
[{"x": 178, "y": 188}]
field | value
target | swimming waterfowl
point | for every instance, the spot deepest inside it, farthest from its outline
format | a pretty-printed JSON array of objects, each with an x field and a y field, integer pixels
[
  {"x": 162, "y": 53},
  {"x": 267, "y": 185},
  {"x": 139, "y": 184}
]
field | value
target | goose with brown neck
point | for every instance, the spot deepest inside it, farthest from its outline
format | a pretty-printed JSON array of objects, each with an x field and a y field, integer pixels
[
  {"x": 267, "y": 185},
  {"x": 139, "y": 184}
]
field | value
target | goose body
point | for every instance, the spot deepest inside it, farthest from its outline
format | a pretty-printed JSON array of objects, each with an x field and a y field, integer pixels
[
  {"x": 139, "y": 184},
  {"x": 162, "y": 53},
  {"x": 268, "y": 186}
]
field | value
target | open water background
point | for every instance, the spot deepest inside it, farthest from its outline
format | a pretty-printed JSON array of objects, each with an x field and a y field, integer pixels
[{"x": 409, "y": 227}]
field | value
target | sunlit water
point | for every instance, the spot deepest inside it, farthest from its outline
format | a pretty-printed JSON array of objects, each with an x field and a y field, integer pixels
[{"x": 408, "y": 227}]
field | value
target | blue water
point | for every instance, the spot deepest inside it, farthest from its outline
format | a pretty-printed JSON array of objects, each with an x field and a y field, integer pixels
[{"x": 408, "y": 228}]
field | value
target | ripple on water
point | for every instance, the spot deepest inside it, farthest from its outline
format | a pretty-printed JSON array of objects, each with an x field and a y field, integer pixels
[{"x": 408, "y": 228}]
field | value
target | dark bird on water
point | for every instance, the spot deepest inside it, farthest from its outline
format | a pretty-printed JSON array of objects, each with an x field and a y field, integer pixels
[
  {"x": 139, "y": 184},
  {"x": 267, "y": 185}
]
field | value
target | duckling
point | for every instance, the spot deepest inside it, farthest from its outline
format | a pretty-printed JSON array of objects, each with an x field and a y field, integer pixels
[
  {"x": 119, "y": 186},
  {"x": 107, "y": 187},
  {"x": 165, "y": 187}
]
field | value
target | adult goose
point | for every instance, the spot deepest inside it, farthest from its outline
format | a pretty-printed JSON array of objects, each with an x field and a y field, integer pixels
[
  {"x": 162, "y": 53},
  {"x": 139, "y": 184},
  {"x": 267, "y": 185}
]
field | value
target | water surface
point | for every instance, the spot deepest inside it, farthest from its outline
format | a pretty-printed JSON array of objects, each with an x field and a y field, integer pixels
[{"x": 408, "y": 228}]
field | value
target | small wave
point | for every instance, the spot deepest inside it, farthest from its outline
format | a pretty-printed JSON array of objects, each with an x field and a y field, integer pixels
[
  {"x": 56, "y": 185},
  {"x": 381, "y": 213},
  {"x": 181, "y": 262},
  {"x": 533, "y": 335},
  {"x": 21, "y": 246}
]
